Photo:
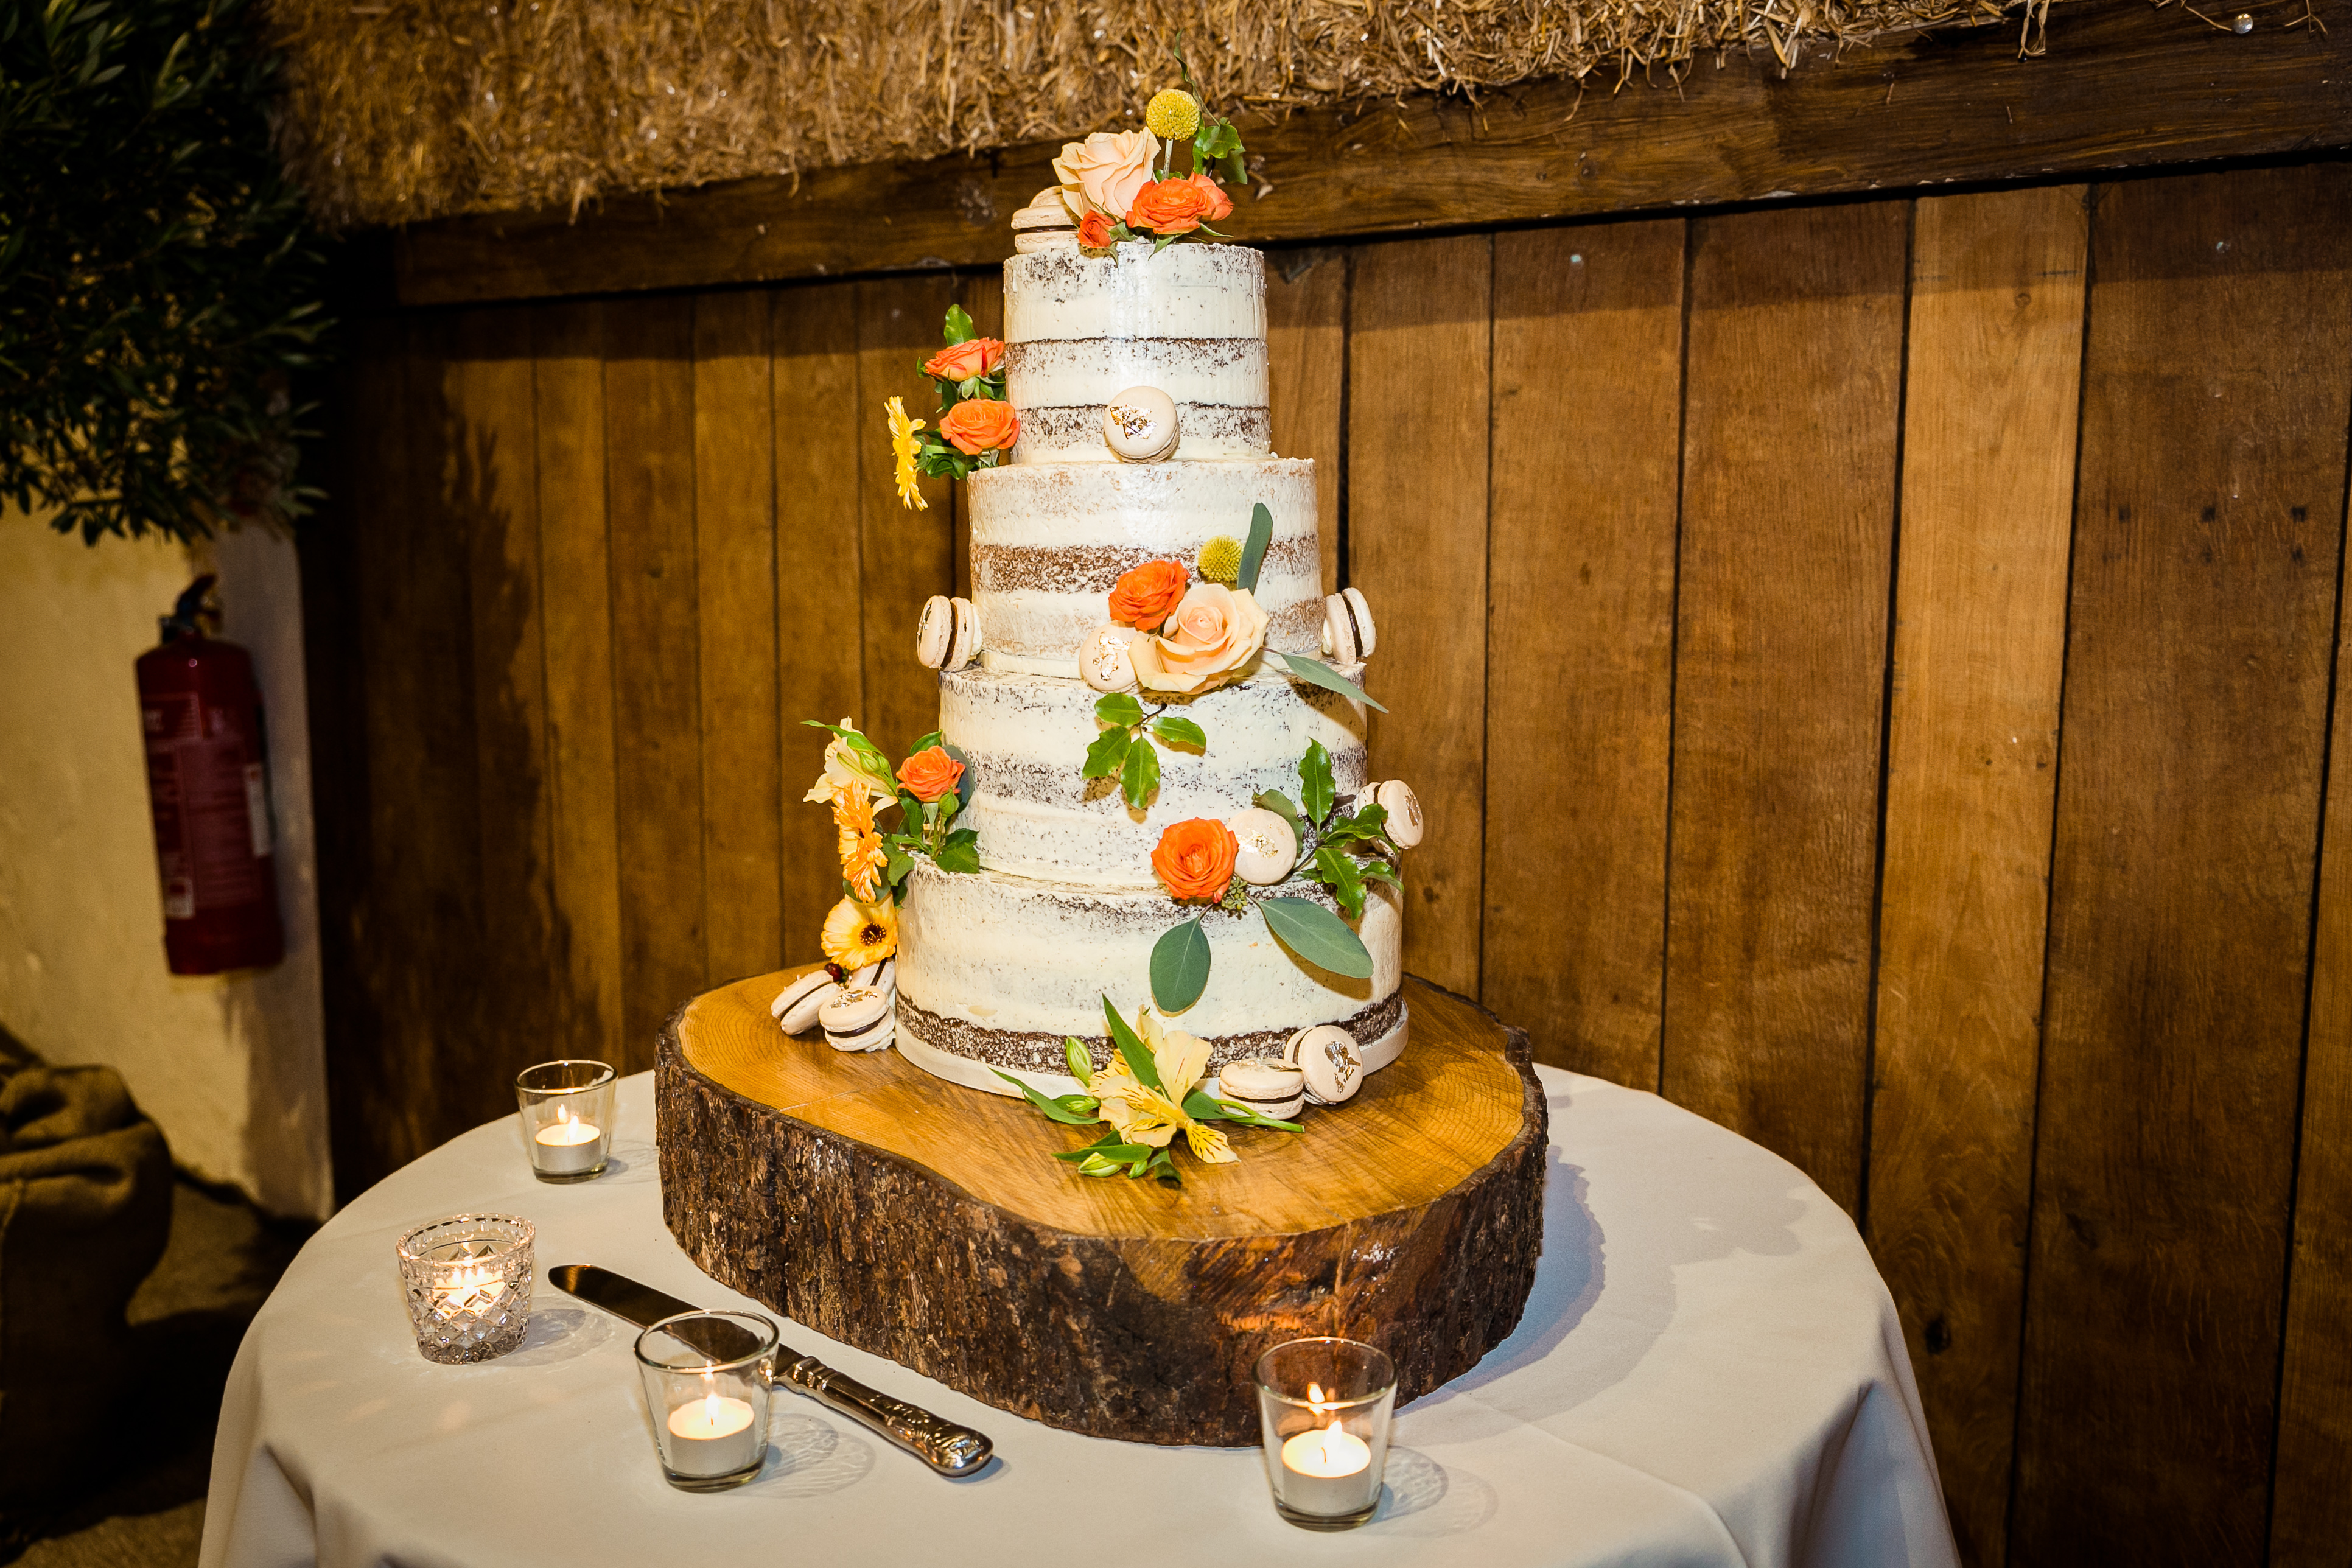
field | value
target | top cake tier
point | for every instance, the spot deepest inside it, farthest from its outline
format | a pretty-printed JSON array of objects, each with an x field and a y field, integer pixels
[{"x": 1190, "y": 320}]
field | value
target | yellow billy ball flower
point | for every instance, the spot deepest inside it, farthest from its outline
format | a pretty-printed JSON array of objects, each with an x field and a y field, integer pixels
[
  {"x": 1221, "y": 561},
  {"x": 1174, "y": 114}
]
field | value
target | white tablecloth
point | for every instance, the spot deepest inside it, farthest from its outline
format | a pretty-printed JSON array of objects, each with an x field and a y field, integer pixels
[{"x": 1708, "y": 1372}]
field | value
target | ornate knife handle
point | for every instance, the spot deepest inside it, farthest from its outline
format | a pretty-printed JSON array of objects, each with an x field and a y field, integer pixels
[{"x": 950, "y": 1450}]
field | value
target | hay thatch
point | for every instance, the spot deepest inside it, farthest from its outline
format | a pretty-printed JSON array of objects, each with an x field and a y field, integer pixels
[{"x": 404, "y": 109}]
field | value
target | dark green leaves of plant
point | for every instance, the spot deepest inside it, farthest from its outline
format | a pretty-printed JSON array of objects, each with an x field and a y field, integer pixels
[
  {"x": 960, "y": 852},
  {"x": 957, "y": 327},
  {"x": 1261, "y": 535},
  {"x": 1119, "y": 709},
  {"x": 1180, "y": 967},
  {"x": 1337, "y": 870},
  {"x": 1107, "y": 755},
  {"x": 1131, "y": 1046},
  {"x": 1178, "y": 732},
  {"x": 1324, "y": 676},
  {"x": 1140, "y": 776},
  {"x": 1315, "y": 782},
  {"x": 1316, "y": 935}
]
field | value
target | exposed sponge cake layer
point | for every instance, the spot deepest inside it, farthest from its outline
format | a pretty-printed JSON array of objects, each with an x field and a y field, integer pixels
[{"x": 1185, "y": 291}]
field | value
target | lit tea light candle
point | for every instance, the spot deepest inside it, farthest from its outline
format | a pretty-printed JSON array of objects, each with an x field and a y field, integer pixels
[
  {"x": 712, "y": 1437},
  {"x": 1326, "y": 1469},
  {"x": 567, "y": 1145}
]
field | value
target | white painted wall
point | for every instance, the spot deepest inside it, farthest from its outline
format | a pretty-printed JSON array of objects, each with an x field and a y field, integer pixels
[{"x": 231, "y": 1067}]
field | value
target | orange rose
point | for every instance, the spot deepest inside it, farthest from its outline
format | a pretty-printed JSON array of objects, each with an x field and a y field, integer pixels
[
  {"x": 963, "y": 361},
  {"x": 1094, "y": 232},
  {"x": 1169, "y": 206},
  {"x": 1195, "y": 858},
  {"x": 979, "y": 425},
  {"x": 1220, "y": 206},
  {"x": 1145, "y": 596},
  {"x": 930, "y": 773}
]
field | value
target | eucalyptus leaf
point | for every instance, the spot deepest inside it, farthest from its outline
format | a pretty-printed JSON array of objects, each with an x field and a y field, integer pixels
[
  {"x": 1261, "y": 535},
  {"x": 1107, "y": 755},
  {"x": 1121, "y": 708},
  {"x": 1179, "y": 966},
  {"x": 1052, "y": 1108},
  {"x": 1316, "y": 935},
  {"x": 1131, "y": 1046},
  {"x": 1315, "y": 782},
  {"x": 1178, "y": 732},
  {"x": 1140, "y": 776},
  {"x": 1324, "y": 676}
]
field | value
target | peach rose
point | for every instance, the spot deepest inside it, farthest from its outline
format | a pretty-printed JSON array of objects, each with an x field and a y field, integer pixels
[
  {"x": 1214, "y": 632},
  {"x": 1149, "y": 594},
  {"x": 1172, "y": 207},
  {"x": 1094, "y": 232},
  {"x": 930, "y": 773},
  {"x": 1103, "y": 173},
  {"x": 979, "y": 425},
  {"x": 1195, "y": 858},
  {"x": 973, "y": 357}
]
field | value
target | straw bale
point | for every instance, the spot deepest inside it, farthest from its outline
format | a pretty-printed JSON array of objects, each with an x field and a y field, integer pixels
[{"x": 399, "y": 110}]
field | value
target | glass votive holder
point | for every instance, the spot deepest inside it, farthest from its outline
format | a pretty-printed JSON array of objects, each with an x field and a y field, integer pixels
[
  {"x": 707, "y": 1384},
  {"x": 1325, "y": 1405},
  {"x": 467, "y": 1280},
  {"x": 567, "y": 1118}
]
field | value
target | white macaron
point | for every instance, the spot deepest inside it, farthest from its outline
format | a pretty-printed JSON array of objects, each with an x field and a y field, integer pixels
[
  {"x": 1270, "y": 1088},
  {"x": 1104, "y": 661},
  {"x": 859, "y": 1019},
  {"x": 795, "y": 1007},
  {"x": 1139, "y": 424},
  {"x": 1269, "y": 845},
  {"x": 1348, "y": 634},
  {"x": 1396, "y": 798},
  {"x": 1328, "y": 1056}
]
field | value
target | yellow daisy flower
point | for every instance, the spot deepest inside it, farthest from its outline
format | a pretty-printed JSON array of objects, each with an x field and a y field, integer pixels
[
  {"x": 903, "y": 443},
  {"x": 1174, "y": 114},
  {"x": 857, "y": 934}
]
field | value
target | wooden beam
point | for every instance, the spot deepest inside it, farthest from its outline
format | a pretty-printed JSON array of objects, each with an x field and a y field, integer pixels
[{"x": 2122, "y": 84}]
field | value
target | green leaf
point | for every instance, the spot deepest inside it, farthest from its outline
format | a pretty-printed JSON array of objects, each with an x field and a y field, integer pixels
[
  {"x": 1093, "y": 1164},
  {"x": 1131, "y": 1046},
  {"x": 1365, "y": 825},
  {"x": 1337, "y": 870},
  {"x": 1316, "y": 935},
  {"x": 1179, "y": 966},
  {"x": 850, "y": 736},
  {"x": 1274, "y": 801},
  {"x": 1108, "y": 1148},
  {"x": 924, "y": 742},
  {"x": 1202, "y": 1106},
  {"x": 966, "y": 781},
  {"x": 1179, "y": 733},
  {"x": 1324, "y": 676},
  {"x": 959, "y": 327},
  {"x": 1082, "y": 1061},
  {"x": 1315, "y": 782},
  {"x": 1119, "y": 709},
  {"x": 1380, "y": 871},
  {"x": 1052, "y": 1108},
  {"x": 1141, "y": 777},
  {"x": 1107, "y": 755},
  {"x": 960, "y": 853},
  {"x": 1261, "y": 535},
  {"x": 1165, "y": 1166}
]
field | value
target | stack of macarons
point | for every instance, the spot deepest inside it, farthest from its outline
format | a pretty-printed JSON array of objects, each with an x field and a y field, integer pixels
[
  {"x": 1348, "y": 634},
  {"x": 855, "y": 1011},
  {"x": 1046, "y": 224},
  {"x": 948, "y": 636}
]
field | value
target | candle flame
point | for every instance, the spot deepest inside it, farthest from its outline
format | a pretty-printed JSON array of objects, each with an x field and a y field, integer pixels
[
  {"x": 563, "y": 1113},
  {"x": 1314, "y": 1393}
]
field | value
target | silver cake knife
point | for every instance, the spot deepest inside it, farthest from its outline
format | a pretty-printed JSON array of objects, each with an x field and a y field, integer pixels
[{"x": 950, "y": 1450}]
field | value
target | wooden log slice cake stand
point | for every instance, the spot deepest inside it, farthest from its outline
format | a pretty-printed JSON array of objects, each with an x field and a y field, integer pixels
[{"x": 926, "y": 1223}]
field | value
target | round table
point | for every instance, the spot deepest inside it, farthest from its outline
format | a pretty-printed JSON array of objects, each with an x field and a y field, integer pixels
[{"x": 1709, "y": 1370}]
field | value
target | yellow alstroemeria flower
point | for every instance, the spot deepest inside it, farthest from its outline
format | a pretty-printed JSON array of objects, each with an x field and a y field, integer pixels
[
  {"x": 842, "y": 766},
  {"x": 857, "y": 934},
  {"x": 903, "y": 443},
  {"x": 1154, "y": 1116},
  {"x": 859, "y": 846}
]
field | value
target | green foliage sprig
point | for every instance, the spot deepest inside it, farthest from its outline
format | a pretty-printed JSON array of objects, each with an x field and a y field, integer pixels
[
  {"x": 157, "y": 284},
  {"x": 938, "y": 456},
  {"x": 925, "y": 828},
  {"x": 1123, "y": 752}
]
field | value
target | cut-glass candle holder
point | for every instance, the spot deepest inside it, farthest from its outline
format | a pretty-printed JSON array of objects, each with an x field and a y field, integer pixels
[
  {"x": 467, "y": 1280},
  {"x": 567, "y": 1118},
  {"x": 707, "y": 1380},
  {"x": 1325, "y": 1405}
]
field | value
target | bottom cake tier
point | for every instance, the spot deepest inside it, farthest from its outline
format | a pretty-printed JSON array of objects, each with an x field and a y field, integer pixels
[{"x": 995, "y": 971}]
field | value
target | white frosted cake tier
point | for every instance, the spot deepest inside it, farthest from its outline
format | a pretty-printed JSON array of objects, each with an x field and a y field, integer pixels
[
  {"x": 1060, "y": 389},
  {"x": 995, "y": 970},
  {"x": 1049, "y": 541},
  {"x": 1025, "y": 737},
  {"x": 1185, "y": 291}
]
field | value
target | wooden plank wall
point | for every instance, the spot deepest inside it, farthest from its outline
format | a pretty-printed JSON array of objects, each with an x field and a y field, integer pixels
[{"x": 1900, "y": 731}]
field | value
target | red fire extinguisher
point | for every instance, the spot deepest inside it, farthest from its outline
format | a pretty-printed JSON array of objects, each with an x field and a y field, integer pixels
[{"x": 208, "y": 784}]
